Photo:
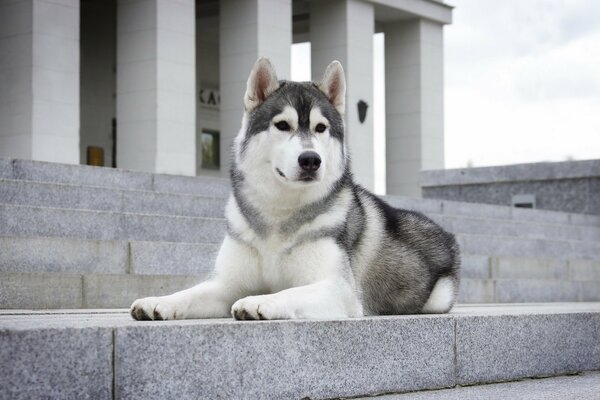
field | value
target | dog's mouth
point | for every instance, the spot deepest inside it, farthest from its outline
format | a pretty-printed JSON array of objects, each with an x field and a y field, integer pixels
[
  {"x": 304, "y": 176},
  {"x": 307, "y": 177}
]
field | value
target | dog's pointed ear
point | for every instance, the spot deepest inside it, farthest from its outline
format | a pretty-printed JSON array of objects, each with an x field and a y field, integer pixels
[
  {"x": 261, "y": 83},
  {"x": 334, "y": 86}
]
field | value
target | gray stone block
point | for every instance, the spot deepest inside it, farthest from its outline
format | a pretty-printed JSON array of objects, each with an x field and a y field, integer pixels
[
  {"x": 206, "y": 186},
  {"x": 585, "y": 250},
  {"x": 40, "y": 290},
  {"x": 174, "y": 228},
  {"x": 59, "y": 363},
  {"x": 585, "y": 219},
  {"x": 43, "y": 254},
  {"x": 508, "y": 347},
  {"x": 6, "y": 168},
  {"x": 284, "y": 360},
  {"x": 474, "y": 266},
  {"x": 165, "y": 258},
  {"x": 516, "y": 247},
  {"x": 476, "y": 210},
  {"x": 535, "y": 290},
  {"x": 584, "y": 270},
  {"x": 81, "y": 175},
  {"x": 42, "y": 194},
  {"x": 172, "y": 204},
  {"x": 119, "y": 291},
  {"x": 590, "y": 291},
  {"x": 525, "y": 229},
  {"x": 59, "y": 195},
  {"x": 426, "y": 206},
  {"x": 476, "y": 291},
  {"x": 529, "y": 268},
  {"x": 40, "y": 221},
  {"x": 544, "y": 216},
  {"x": 580, "y": 387},
  {"x": 85, "y": 224}
]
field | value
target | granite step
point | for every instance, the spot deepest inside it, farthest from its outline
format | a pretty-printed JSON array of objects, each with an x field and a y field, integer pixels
[
  {"x": 81, "y": 175},
  {"x": 30, "y": 266},
  {"x": 88, "y": 224},
  {"x": 83, "y": 197},
  {"x": 39, "y": 171},
  {"x": 494, "y": 212},
  {"x": 105, "y": 354}
]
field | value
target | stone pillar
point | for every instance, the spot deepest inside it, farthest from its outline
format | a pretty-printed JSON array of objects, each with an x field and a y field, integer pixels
[
  {"x": 248, "y": 30},
  {"x": 156, "y": 85},
  {"x": 39, "y": 80},
  {"x": 343, "y": 30},
  {"x": 414, "y": 103}
]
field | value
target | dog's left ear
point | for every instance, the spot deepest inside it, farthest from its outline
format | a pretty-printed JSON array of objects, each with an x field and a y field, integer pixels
[
  {"x": 261, "y": 83},
  {"x": 334, "y": 86}
]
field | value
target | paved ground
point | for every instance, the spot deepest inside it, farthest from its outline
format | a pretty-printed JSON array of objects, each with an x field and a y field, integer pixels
[{"x": 580, "y": 387}]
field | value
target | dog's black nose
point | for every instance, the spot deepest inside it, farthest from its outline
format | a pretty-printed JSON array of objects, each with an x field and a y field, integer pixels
[{"x": 309, "y": 161}]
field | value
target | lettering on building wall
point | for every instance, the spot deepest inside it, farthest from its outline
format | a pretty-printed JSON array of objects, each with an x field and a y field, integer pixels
[{"x": 209, "y": 98}]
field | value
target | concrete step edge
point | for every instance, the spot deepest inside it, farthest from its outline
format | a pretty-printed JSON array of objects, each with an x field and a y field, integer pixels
[
  {"x": 293, "y": 359},
  {"x": 107, "y": 177}
]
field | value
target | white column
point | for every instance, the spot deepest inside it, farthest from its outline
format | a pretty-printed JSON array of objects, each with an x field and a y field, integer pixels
[
  {"x": 39, "y": 80},
  {"x": 343, "y": 30},
  {"x": 156, "y": 85},
  {"x": 414, "y": 103},
  {"x": 248, "y": 30}
]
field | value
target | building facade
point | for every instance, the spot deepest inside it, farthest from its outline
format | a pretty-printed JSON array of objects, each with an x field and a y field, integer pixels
[{"x": 157, "y": 85}]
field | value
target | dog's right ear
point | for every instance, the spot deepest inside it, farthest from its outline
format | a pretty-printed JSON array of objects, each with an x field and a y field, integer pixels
[{"x": 261, "y": 83}]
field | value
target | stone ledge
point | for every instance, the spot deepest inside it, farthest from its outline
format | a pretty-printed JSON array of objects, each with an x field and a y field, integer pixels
[
  {"x": 293, "y": 359},
  {"x": 110, "y": 177},
  {"x": 511, "y": 173}
]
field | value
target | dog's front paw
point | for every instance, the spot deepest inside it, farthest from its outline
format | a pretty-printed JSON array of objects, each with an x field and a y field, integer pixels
[
  {"x": 258, "y": 307},
  {"x": 154, "y": 308}
]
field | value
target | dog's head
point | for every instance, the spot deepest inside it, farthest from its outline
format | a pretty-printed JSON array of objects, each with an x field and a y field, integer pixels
[{"x": 292, "y": 133}]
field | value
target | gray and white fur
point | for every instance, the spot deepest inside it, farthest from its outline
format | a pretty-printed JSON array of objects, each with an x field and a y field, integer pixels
[{"x": 303, "y": 240}]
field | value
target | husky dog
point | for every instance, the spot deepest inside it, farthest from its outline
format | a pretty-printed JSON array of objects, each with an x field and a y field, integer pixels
[{"x": 303, "y": 240}]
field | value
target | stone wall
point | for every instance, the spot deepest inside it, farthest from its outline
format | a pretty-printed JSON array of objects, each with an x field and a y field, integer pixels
[{"x": 572, "y": 186}]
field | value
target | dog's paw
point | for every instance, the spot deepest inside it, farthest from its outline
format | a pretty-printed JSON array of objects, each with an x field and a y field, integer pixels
[
  {"x": 258, "y": 307},
  {"x": 154, "y": 308}
]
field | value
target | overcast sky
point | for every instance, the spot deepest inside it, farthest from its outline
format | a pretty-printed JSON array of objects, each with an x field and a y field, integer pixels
[{"x": 522, "y": 83}]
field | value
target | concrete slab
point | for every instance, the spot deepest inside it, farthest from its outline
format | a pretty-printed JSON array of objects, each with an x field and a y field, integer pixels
[
  {"x": 46, "y": 254},
  {"x": 162, "y": 258},
  {"x": 103, "y": 225},
  {"x": 120, "y": 290},
  {"x": 281, "y": 360},
  {"x": 81, "y": 197},
  {"x": 293, "y": 359},
  {"x": 496, "y": 348},
  {"x": 40, "y": 290},
  {"x": 56, "y": 363}
]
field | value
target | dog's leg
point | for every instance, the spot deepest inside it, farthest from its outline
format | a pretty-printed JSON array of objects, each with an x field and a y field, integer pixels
[
  {"x": 235, "y": 276},
  {"x": 323, "y": 287}
]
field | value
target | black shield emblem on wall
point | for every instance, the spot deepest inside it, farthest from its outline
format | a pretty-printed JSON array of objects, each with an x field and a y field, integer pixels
[{"x": 362, "y": 110}]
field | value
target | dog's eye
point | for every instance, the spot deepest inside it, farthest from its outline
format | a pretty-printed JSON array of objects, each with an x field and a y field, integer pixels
[
  {"x": 320, "y": 128},
  {"x": 282, "y": 126}
]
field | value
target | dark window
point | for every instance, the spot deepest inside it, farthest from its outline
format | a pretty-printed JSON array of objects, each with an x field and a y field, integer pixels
[{"x": 210, "y": 149}]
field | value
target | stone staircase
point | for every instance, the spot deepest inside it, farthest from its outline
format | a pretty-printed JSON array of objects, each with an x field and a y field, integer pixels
[
  {"x": 106, "y": 236},
  {"x": 78, "y": 244}
]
